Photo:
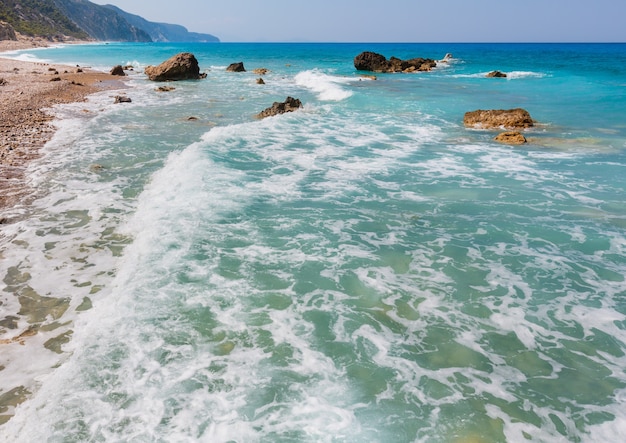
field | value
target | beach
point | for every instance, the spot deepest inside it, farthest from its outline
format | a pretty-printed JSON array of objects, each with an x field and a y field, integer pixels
[{"x": 27, "y": 91}]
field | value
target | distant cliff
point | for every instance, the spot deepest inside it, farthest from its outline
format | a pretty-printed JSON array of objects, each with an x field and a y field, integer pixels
[
  {"x": 101, "y": 23},
  {"x": 163, "y": 32},
  {"x": 84, "y": 20}
]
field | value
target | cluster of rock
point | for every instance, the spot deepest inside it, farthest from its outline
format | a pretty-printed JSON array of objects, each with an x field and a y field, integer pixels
[
  {"x": 185, "y": 66},
  {"x": 372, "y": 61},
  {"x": 508, "y": 119},
  {"x": 289, "y": 105}
]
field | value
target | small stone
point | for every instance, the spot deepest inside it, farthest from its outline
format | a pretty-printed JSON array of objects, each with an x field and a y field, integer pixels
[{"x": 510, "y": 138}]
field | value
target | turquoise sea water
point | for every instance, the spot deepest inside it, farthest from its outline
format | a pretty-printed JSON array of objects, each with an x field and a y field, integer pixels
[{"x": 363, "y": 270}]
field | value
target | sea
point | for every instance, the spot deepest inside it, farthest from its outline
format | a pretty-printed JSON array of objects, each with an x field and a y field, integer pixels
[{"x": 365, "y": 269}]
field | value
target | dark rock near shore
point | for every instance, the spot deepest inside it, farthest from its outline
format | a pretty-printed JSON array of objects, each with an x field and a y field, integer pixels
[
  {"x": 122, "y": 99},
  {"x": 498, "y": 118},
  {"x": 183, "y": 66},
  {"x": 236, "y": 67},
  {"x": 289, "y": 105},
  {"x": 510, "y": 138},
  {"x": 496, "y": 74},
  {"x": 372, "y": 61},
  {"x": 118, "y": 70}
]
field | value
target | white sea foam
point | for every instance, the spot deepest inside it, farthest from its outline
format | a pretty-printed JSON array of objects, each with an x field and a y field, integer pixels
[{"x": 327, "y": 87}]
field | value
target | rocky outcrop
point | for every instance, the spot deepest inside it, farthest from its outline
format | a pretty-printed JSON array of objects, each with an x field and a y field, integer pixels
[
  {"x": 183, "y": 66},
  {"x": 496, "y": 74},
  {"x": 118, "y": 70},
  {"x": 510, "y": 138},
  {"x": 236, "y": 67},
  {"x": 371, "y": 61},
  {"x": 7, "y": 32},
  {"x": 289, "y": 105},
  {"x": 498, "y": 118}
]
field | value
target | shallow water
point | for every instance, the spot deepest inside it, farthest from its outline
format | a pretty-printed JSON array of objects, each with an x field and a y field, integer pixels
[{"x": 365, "y": 269}]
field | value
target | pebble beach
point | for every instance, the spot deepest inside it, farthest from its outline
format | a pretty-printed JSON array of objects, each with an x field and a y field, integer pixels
[{"x": 27, "y": 91}]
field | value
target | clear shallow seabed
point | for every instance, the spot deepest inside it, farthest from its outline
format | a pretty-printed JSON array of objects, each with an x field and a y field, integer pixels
[{"x": 363, "y": 270}]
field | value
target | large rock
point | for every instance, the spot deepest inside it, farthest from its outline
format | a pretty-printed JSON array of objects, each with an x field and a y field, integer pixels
[
  {"x": 183, "y": 66},
  {"x": 371, "y": 61},
  {"x": 289, "y": 105},
  {"x": 498, "y": 118},
  {"x": 496, "y": 74}
]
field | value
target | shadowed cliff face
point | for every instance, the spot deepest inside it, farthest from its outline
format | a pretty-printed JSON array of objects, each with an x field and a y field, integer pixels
[{"x": 101, "y": 23}]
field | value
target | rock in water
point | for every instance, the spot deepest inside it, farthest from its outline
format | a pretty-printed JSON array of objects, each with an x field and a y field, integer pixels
[
  {"x": 510, "y": 138},
  {"x": 496, "y": 74},
  {"x": 118, "y": 70},
  {"x": 183, "y": 66},
  {"x": 498, "y": 118},
  {"x": 236, "y": 67},
  {"x": 371, "y": 61},
  {"x": 289, "y": 105}
]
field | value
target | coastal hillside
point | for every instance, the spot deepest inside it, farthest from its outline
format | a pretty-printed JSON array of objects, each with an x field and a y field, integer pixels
[
  {"x": 84, "y": 20},
  {"x": 101, "y": 23},
  {"x": 163, "y": 32},
  {"x": 39, "y": 18}
]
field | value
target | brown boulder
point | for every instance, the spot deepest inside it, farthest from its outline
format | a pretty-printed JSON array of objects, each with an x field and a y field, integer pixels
[
  {"x": 496, "y": 74},
  {"x": 236, "y": 67},
  {"x": 371, "y": 61},
  {"x": 183, "y": 66},
  {"x": 289, "y": 105},
  {"x": 498, "y": 118},
  {"x": 118, "y": 70},
  {"x": 510, "y": 138}
]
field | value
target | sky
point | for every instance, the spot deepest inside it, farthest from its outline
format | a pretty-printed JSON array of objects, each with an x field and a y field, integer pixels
[{"x": 391, "y": 20}]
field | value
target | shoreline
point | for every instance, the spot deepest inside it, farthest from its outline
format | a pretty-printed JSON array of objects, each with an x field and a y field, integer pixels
[{"x": 27, "y": 92}]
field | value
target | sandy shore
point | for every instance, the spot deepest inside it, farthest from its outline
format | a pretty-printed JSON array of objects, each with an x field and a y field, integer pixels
[{"x": 27, "y": 90}]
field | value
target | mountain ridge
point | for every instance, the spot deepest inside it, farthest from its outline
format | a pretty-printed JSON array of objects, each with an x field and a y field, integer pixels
[{"x": 83, "y": 20}]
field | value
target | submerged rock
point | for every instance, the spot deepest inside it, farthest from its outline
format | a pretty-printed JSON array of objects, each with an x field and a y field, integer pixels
[
  {"x": 183, "y": 66},
  {"x": 496, "y": 74},
  {"x": 498, "y": 118},
  {"x": 289, "y": 105},
  {"x": 510, "y": 138},
  {"x": 372, "y": 61}
]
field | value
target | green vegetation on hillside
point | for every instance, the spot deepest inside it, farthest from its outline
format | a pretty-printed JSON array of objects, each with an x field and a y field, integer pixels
[{"x": 38, "y": 18}]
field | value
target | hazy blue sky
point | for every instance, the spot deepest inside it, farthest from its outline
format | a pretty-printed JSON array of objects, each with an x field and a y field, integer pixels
[{"x": 392, "y": 20}]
